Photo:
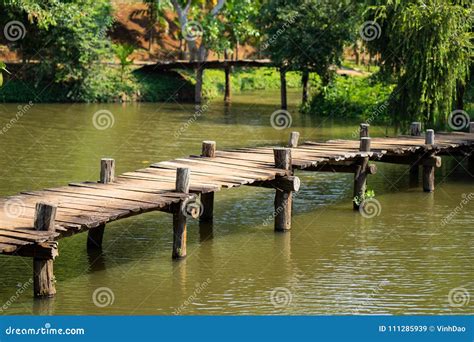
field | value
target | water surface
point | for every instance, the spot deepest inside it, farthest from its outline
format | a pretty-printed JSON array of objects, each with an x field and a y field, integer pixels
[{"x": 334, "y": 261}]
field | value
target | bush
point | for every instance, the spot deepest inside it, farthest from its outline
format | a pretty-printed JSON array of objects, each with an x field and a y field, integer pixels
[{"x": 352, "y": 97}]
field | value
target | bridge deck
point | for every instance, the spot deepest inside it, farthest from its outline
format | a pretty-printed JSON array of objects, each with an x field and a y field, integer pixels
[{"x": 82, "y": 206}]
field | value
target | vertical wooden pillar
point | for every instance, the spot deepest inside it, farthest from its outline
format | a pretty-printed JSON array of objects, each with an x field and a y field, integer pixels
[
  {"x": 207, "y": 199},
  {"x": 364, "y": 130},
  {"x": 361, "y": 172},
  {"x": 294, "y": 137},
  {"x": 107, "y": 175},
  {"x": 227, "y": 85},
  {"x": 415, "y": 131},
  {"x": 429, "y": 168},
  {"x": 198, "y": 86},
  {"x": 471, "y": 156},
  {"x": 43, "y": 276},
  {"x": 283, "y": 199},
  {"x": 305, "y": 84},
  {"x": 284, "y": 103},
  {"x": 179, "y": 217}
]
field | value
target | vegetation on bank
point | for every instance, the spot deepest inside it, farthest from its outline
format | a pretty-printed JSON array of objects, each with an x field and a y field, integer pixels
[{"x": 365, "y": 98}]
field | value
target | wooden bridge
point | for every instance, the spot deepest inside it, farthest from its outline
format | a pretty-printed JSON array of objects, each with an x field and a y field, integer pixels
[{"x": 33, "y": 221}]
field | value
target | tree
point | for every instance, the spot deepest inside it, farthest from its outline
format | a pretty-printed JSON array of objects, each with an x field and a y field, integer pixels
[
  {"x": 427, "y": 47},
  {"x": 122, "y": 52},
  {"x": 306, "y": 35},
  {"x": 155, "y": 12},
  {"x": 69, "y": 38}
]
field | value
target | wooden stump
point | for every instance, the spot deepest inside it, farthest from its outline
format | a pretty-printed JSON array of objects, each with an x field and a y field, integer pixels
[
  {"x": 107, "y": 170},
  {"x": 207, "y": 199},
  {"x": 364, "y": 130},
  {"x": 428, "y": 164},
  {"x": 43, "y": 275},
  {"x": 415, "y": 131},
  {"x": 362, "y": 170},
  {"x": 294, "y": 137},
  {"x": 179, "y": 217},
  {"x": 283, "y": 198}
]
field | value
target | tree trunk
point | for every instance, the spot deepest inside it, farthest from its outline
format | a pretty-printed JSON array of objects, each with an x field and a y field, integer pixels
[
  {"x": 284, "y": 104},
  {"x": 305, "y": 81},
  {"x": 460, "y": 88}
]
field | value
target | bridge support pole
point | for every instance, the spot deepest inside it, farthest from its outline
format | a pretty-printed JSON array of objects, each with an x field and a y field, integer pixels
[
  {"x": 43, "y": 276},
  {"x": 284, "y": 102},
  {"x": 107, "y": 175},
  {"x": 471, "y": 156},
  {"x": 362, "y": 170},
  {"x": 283, "y": 198},
  {"x": 429, "y": 163},
  {"x": 179, "y": 215},
  {"x": 198, "y": 86},
  {"x": 207, "y": 199},
  {"x": 227, "y": 85},
  {"x": 415, "y": 131}
]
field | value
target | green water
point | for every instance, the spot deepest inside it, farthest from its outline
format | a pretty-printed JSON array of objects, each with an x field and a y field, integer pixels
[{"x": 334, "y": 261}]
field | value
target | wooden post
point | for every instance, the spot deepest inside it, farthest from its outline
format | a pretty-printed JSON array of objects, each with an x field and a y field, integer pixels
[
  {"x": 471, "y": 127},
  {"x": 43, "y": 276},
  {"x": 415, "y": 131},
  {"x": 198, "y": 86},
  {"x": 227, "y": 85},
  {"x": 305, "y": 82},
  {"x": 107, "y": 175},
  {"x": 361, "y": 172},
  {"x": 293, "y": 142},
  {"x": 179, "y": 218},
  {"x": 95, "y": 236},
  {"x": 428, "y": 167},
  {"x": 429, "y": 137},
  {"x": 207, "y": 199},
  {"x": 283, "y": 199},
  {"x": 107, "y": 170},
  {"x": 284, "y": 103},
  {"x": 364, "y": 130},
  {"x": 471, "y": 156}
]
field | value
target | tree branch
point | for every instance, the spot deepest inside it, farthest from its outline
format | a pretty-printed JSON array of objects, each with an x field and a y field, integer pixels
[{"x": 217, "y": 7}]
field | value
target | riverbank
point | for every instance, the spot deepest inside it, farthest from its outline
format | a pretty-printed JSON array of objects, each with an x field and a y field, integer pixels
[{"x": 138, "y": 86}]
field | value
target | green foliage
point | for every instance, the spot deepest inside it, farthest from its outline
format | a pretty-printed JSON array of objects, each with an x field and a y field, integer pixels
[
  {"x": 306, "y": 34},
  {"x": 3, "y": 68},
  {"x": 427, "y": 46},
  {"x": 122, "y": 52},
  {"x": 352, "y": 97},
  {"x": 368, "y": 195}
]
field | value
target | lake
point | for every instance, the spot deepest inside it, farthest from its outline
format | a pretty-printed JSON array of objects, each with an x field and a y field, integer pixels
[{"x": 334, "y": 261}]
